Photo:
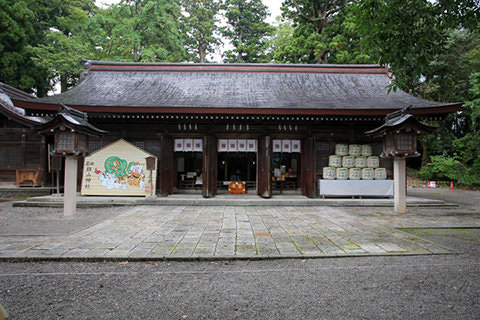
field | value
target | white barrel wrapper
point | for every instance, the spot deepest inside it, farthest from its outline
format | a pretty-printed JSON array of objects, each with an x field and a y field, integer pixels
[
  {"x": 341, "y": 149},
  {"x": 380, "y": 174},
  {"x": 334, "y": 161},
  {"x": 329, "y": 173},
  {"x": 366, "y": 150},
  {"x": 348, "y": 161},
  {"x": 373, "y": 162},
  {"x": 342, "y": 173},
  {"x": 368, "y": 174},
  {"x": 354, "y": 173},
  {"x": 360, "y": 162},
  {"x": 354, "y": 150}
]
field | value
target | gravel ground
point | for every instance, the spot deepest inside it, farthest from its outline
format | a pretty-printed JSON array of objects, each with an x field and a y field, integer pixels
[
  {"x": 416, "y": 287},
  {"x": 50, "y": 221}
]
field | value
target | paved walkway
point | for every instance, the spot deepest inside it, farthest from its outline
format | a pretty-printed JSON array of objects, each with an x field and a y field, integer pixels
[{"x": 155, "y": 232}]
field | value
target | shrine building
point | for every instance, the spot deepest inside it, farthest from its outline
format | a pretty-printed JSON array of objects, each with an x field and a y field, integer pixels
[{"x": 273, "y": 127}]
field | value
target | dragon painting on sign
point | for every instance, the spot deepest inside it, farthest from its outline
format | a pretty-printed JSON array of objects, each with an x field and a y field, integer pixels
[{"x": 119, "y": 174}]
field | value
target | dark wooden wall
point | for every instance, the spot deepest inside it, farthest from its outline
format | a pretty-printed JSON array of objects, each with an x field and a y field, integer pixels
[{"x": 20, "y": 148}]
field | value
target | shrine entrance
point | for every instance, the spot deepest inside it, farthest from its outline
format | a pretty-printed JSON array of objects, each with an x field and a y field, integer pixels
[
  {"x": 286, "y": 164},
  {"x": 237, "y": 166},
  {"x": 189, "y": 165}
]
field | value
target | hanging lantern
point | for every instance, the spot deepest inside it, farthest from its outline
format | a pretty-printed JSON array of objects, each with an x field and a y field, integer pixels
[{"x": 399, "y": 133}]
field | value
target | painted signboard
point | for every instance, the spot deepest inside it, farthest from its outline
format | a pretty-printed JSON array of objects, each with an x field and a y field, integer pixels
[{"x": 118, "y": 169}]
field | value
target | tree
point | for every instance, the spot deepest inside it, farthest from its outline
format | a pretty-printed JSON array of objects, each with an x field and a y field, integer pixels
[
  {"x": 247, "y": 31},
  {"x": 318, "y": 32},
  {"x": 201, "y": 26},
  {"x": 407, "y": 35},
  {"x": 454, "y": 76},
  {"x": 64, "y": 44},
  {"x": 322, "y": 32},
  {"x": 19, "y": 28},
  {"x": 147, "y": 30}
]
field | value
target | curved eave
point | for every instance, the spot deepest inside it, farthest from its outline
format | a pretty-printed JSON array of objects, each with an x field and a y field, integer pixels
[
  {"x": 441, "y": 109},
  {"x": 17, "y": 117},
  {"x": 60, "y": 119}
]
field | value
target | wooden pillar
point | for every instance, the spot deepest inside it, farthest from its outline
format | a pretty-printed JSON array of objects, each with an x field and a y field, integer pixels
[
  {"x": 308, "y": 176},
  {"x": 399, "y": 181},
  {"x": 43, "y": 159},
  {"x": 264, "y": 167},
  {"x": 209, "y": 187},
  {"x": 165, "y": 166},
  {"x": 70, "y": 186}
]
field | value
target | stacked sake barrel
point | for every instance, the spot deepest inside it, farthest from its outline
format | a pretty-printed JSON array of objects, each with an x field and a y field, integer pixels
[{"x": 353, "y": 162}]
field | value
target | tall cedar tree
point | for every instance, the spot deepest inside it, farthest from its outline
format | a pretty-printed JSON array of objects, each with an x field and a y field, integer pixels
[
  {"x": 201, "y": 26},
  {"x": 247, "y": 31},
  {"x": 65, "y": 43},
  {"x": 147, "y": 30},
  {"x": 317, "y": 30}
]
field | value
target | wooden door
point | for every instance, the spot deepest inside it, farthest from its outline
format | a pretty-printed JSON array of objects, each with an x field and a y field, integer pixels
[
  {"x": 209, "y": 188},
  {"x": 308, "y": 176},
  {"x": 165, "y": 166},
  {"x": 264, "y": 169}
]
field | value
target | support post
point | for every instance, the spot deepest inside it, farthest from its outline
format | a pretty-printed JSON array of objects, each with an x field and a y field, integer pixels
[
  {"x": 399, "y": 180},
  {"x": 308, "y": 173},
  {"x": 165, "y": 167},
  {"x": 264, "y": 167},
  {"x": 209, "y": 187},
  {"x": 70, "y": 186}
]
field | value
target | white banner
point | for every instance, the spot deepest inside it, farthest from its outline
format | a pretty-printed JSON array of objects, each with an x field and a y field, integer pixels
[
  {"x": 232, "y": 145},
  {"x": 251, "y": 145},
  {"x": 242, "y": 145},
  {"x": 222, "y": 145},
  {"x": 277, "y": 145},
  {"x": 188, "y": 145},
  {"x": 286, "y": 146},
  {"x": 178, "y": 145},
  {"x": 197, "y": 145},
  {"x": 296, "y": 146}
]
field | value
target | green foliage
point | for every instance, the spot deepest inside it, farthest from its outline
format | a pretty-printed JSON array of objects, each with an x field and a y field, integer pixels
[
  {"x": 318, "y": 32},
  {"x": 247, "y": 31},
  {"x": 147, "y": 30},
  {"x": 408, "y": 35},
  {"x": 458, "y": 144},
  {"x": 19, "y": 28},
  {"x": 201, "y": 26}
]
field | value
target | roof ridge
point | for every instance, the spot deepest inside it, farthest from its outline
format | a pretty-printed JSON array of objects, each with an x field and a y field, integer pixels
[{"x": 215, "y": 64}]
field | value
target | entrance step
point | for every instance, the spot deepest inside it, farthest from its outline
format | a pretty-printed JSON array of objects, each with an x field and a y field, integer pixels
[{"x": 225, "y": 200}]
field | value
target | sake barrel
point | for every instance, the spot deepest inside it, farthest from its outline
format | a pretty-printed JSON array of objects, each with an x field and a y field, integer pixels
[
  {"x": 348, "y": 161},
  {"x": 335, "y": 161},
  {"x": 380, "y": 174},
  {"x": 341, "y": 149},
  {"x": 373, "y": 162},
  {"x": 366, "y": 150},
  {"x": 342, "y": 173},
  {"x": 360, "y": 162},
  {"x": 329, "y": 173},
  {"x": 354, "y": 150},
  {"x": 368, "y": 173},
  {"x": 354, "y": 173}
]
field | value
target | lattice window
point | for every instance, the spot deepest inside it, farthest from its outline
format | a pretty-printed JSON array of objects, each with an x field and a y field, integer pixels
[
  {"x": 11, "y": 156},
  {"x": 323, "y": 150}
]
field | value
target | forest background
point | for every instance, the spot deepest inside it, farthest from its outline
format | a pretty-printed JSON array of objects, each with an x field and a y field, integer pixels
[{"x": 431, "y": 47}]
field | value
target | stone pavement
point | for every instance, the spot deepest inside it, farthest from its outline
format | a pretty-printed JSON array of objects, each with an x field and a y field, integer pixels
[{"x": 223, "y": 232}]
